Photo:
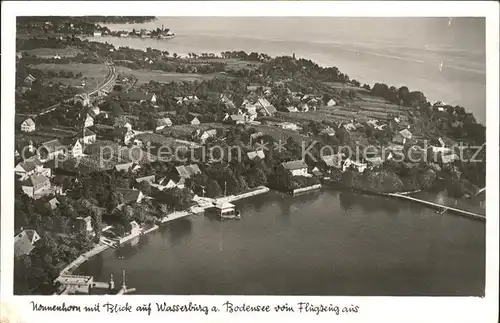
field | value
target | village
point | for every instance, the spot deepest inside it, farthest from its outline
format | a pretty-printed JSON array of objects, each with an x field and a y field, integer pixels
[{"x": 93, "y": 168}]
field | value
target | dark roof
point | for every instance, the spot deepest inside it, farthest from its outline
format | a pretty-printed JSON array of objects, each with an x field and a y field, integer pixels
[
  {"x": 129, "y": 195},
  {"x": 188, "y": 170},
  {"x": 294, "y": 164},
  {"x": 53, "y": 145},
  {"x": 332, "y": 160},
  {"x": 30, "y": 164}
]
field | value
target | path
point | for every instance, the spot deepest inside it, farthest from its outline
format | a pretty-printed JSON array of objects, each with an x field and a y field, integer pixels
[{"x": 109, "y": 79}]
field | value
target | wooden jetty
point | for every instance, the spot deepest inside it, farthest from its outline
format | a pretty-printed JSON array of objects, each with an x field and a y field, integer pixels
[{"x": 441, "y": 208}]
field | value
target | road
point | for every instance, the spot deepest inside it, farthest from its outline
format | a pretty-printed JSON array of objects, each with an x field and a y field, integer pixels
[{"x": 110, "y": 78}]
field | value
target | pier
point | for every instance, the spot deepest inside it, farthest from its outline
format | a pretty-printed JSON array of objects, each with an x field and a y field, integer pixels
[
  {"x": 85, "y": 285},
  {"x": 441, "y": 208}
]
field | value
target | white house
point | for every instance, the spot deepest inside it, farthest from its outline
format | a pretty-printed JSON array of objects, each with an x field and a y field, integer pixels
[
  {"x": 331, "y": 103},
  {"x": 76, "y": 149},
  {"x": 212, "y": 133},
  {"x": 134, "y": 228},
  {"x": 194, "y": 121},
  {"x": 296, "y": 167},
  {"x": 86, "y": 222},
  {"x": 97, "y": 34},
  {"x": 360, "y": 167},
  {"x": 328, "y": 131},
  {"x": 87, "y": 136},
  {"x": 152, "y": 99},
  {"x": 28, "y": 125},
  {"x": 402, "y": 137},
  {"x": 89, "y": 121},
  {"x": 289, "y": 126},
  {"x": 292, "y": 109},
  {"x": 254, "y": 154}
]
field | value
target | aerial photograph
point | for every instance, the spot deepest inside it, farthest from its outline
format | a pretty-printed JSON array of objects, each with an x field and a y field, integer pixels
[{"x": 315, "y": 156}]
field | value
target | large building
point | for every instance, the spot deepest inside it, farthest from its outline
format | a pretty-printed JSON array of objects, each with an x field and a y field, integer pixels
[{"x": 296, "y": 167}]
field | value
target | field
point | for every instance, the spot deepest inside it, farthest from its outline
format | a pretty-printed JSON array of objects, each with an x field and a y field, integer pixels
[
  {"x": 94, "y": 73},
  {"x": 342, "y": 86},
  {"x": 46, "y": 134},
  {"x": 282, "y": 134},
  {"x": 50, "y": 52},
  {"x": 144, "y": 76},
  {"x": 233, "y": 64},
  {"x": 185, "y": 130},
  {"x": 317, "y": 116}
]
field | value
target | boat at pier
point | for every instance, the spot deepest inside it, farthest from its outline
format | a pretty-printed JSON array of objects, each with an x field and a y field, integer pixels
[{"x": 225, "y": 210}]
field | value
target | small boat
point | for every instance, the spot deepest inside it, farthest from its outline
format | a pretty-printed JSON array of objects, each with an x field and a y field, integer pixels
[{"x": 226, "y": 211}]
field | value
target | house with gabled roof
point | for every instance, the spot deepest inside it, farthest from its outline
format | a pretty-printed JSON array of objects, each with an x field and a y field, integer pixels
[
  {"x": 28, "y": 125},
  {"x": 150, "y": 179},
  {"x": 124, "y": 167},
  {"x": 87, "y": 136},
  {"x": 53, "y": 203},
  {"x": 331, "y": 103},
  {"x": 130, "y": 195},
  {"x": 235, "y": 119},
  {"x": 52, "y": 148},
  {"x": 332, "y": 161},
  {"x": 75, "y": 148},
  {"x": 256, "y": 154},
  {"x": 89, "y": 121},
  {"x": 205, "y": 135},
  {"x": 187, "y": 171},
  {"x": 328, "y": 131},
  {"x": 163, "y": 123},
  {"x": 402, "y": 137},
  {"x": 28, "y": 80},
  {"x": 296, "y": 167},
  {"x": 36, "y": 186},
  {"x": 123, "y": 134},
  {"x": 29, "y": 167},
  {"x": 24, "y": 242},
  {"x": 193, "y": 120},
  {"x": 265, "y": 108}
]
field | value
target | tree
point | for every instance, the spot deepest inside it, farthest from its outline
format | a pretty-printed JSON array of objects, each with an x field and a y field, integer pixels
[
  {"x": 144, "y": 187},
  {"x": 213, "y": 189}
]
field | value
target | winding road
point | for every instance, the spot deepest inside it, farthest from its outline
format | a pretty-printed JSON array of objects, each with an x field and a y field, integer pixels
[{"x": 110, "y": 78}]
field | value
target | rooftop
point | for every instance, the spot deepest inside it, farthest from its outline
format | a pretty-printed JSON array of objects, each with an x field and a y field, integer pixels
[{"x": 294, "y": 164}]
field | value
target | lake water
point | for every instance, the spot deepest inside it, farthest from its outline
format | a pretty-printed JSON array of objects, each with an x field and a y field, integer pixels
[
  {"x": 396, "y": 51},
  {"x": 324, "y": 243}
]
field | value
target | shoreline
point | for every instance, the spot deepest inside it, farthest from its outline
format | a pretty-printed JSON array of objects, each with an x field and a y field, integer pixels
[{"x": 100, "y": 247}]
